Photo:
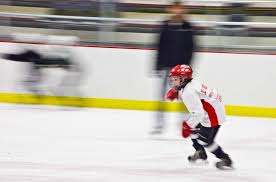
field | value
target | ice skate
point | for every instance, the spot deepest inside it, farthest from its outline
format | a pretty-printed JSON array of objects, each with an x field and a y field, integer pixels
[
  {"x": 225, "y": 163},
  {"x": 199, "y": 156}
]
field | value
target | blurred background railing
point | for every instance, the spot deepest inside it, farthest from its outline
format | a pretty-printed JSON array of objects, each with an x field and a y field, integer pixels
[{"x": 220, "y": 25}]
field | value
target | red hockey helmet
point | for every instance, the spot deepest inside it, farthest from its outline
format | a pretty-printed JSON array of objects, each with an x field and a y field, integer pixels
[{"x": 182, "y": 71}]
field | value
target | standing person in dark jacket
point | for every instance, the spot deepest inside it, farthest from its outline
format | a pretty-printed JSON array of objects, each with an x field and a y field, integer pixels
[{"x": 175, "y": 46}]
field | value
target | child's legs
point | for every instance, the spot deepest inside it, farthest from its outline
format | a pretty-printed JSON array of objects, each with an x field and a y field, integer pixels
[
  {"x": 194, "y": 138},
  {"x": 206, "y": 136}
]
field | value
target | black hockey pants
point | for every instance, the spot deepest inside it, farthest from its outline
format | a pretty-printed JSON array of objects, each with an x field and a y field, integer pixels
[{"x": 204, "y": 137}]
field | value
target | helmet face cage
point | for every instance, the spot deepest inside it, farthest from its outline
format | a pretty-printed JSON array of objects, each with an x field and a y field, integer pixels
[
  {"x": 184, "y": 72},
  {"x": 172, "y": 80}
]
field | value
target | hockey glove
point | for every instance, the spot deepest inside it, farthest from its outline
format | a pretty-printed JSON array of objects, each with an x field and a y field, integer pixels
[
  {"x": 186, "y": 130},
  {"x": 171, "y": 94}
]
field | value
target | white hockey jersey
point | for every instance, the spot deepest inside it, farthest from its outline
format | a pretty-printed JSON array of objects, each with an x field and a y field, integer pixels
[{"x": 203, "y": 103}]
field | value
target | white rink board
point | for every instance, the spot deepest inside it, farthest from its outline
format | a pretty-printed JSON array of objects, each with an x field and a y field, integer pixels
[{"x": 243, "y": 79}]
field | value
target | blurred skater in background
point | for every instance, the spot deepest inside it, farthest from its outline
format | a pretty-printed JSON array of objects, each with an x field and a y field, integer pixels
[
  {"x": 52, "y": 53},
  {"x": 175, "y": 46}
]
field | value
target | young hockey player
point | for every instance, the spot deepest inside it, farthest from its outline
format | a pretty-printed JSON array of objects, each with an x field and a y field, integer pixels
[{"x": 206, "y": 114}]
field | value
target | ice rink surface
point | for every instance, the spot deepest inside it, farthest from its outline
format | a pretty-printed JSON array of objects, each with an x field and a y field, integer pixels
[{"x": 52, "y": 144}]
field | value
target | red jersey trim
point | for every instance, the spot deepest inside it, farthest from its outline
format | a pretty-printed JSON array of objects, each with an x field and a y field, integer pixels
[{"x": 211, "y": 113}]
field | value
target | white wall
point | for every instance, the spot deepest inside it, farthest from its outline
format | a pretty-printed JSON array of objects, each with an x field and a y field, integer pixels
[{"x": 243, "y": 79}]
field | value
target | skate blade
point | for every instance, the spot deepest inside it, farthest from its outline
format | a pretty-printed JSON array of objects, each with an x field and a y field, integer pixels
[
  {"x": 225, "y": 168},
  {"x": 199, "y": 162}
]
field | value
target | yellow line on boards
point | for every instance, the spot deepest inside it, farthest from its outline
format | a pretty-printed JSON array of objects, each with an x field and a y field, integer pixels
[{"x": 248, "y": 111}]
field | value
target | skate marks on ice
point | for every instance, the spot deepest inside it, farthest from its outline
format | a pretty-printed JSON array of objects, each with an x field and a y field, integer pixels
[
  {"x": 41, "y": 172},
  {"x": 112, "y": 146}
]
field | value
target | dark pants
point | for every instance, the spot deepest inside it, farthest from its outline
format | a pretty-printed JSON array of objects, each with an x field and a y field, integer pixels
[
  {"x": 205, "y": 136},
  {"x": 205, "y": 139}
]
